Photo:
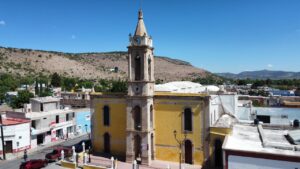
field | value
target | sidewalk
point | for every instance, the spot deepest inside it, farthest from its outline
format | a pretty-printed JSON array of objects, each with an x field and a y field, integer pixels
[
  {"x": 156, "y": 164},
  {"x": 19, "y": 155}
]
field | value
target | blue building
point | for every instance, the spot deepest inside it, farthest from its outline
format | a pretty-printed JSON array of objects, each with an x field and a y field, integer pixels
[
  {"x": 83, "y": 120},
  {"x": 277, "y": 92}
]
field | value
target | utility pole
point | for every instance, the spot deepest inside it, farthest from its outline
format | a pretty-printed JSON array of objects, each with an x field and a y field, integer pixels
[
  {"x": 2, "y": 137},
  {"x": 180, "y": 143}
]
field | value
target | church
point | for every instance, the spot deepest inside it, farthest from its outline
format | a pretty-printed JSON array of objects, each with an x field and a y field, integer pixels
[{"x": 148, "y": 124}]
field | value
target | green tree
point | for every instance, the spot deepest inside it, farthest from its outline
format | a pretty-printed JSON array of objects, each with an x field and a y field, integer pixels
[
  {"x": 69, "y": 83},
  {"x": 36, "y": 88},
  {"x": 3, "y": 90},
  {"x": 119, "y": 86},
  {"x": 55, "y": 80},
  {"x": 257, "y": 103},
  {"x": 9, "y": 81},
  {"x": 22, "y": 98},
  {"x": 41, "y": 88},
  {"x": 104, "y": 86},
  {"x": 85, "y": 83}
]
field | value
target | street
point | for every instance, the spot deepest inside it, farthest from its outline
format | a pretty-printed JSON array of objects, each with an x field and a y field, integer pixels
[{"x": 39, "y": 154}]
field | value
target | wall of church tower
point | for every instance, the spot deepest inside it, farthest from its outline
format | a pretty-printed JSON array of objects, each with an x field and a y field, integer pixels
[{"x": 140, "y": 95}]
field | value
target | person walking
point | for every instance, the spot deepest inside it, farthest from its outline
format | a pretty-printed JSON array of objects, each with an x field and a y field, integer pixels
[{"x": 25, "y": 155}]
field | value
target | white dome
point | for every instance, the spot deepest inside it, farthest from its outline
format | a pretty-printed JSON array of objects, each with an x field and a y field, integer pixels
[{"x": 184, "y": 87}]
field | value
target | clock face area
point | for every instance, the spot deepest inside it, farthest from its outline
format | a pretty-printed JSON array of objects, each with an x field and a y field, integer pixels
[{"x": 138, "y": 40}]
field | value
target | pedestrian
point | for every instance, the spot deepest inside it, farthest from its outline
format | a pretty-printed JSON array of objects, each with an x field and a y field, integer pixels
[{"x": 25, "y": 155}]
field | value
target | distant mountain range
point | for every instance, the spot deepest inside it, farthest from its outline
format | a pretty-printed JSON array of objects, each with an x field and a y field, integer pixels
[
  {"x": 262, "y": 74},
  {"x": 90, "y": 65}
]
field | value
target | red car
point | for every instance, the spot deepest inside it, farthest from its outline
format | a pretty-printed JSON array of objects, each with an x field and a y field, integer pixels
[
  {"x": 34, "y": 164},
  {"x": 56, "y": 153}
]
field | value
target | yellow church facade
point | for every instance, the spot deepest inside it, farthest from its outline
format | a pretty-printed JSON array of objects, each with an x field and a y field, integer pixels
[
  {"x": 168, "y": 116},
  {"x": 145, "y": 124}
]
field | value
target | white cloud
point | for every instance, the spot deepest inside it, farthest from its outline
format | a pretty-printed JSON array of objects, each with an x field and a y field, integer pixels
[
  {"x": 269, "y": 65},
  {"x": 73, "y": 37},
  {"x": 2, "y": 23}
]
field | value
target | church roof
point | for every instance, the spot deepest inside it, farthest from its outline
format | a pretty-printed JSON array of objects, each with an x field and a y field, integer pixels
[
  {"x": 140, "y": 27},
  {"x": 184, "y": 87}
]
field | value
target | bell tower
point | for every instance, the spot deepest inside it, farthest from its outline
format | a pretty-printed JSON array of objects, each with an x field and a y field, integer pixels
[{"x": 139, "y": 132}]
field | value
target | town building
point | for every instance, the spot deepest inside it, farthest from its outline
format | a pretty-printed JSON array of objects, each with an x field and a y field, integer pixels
[
  {"x": 16, "y": 133},
  {"x": 79, "y": 99},
  {"x": 254, "y": 137},
  {"x": 83, "y": 120},
  {"x": 257, "y": 146},
  {"x": 143, "y": 123},
  {"x": 49, "y": 121}
]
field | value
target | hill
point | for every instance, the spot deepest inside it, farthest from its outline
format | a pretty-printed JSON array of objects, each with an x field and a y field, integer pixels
[
  {"x": 89, "y": 65},
  {"x": 262, "y": 74}
]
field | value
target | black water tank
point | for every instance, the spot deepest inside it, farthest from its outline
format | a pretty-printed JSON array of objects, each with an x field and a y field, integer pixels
[
  {"x": 296, "y": 123},
  {"x": 256, "y": 121}
]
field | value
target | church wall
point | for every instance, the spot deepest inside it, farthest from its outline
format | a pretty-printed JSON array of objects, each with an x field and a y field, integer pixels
[
  {"x": 116, "y": 129},
  {"x": 168, "y": 117}
]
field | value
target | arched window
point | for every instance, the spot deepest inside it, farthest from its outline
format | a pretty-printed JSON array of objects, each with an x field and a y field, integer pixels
[
  {"x": 188, "y": 119},
  {"x": 188, "y": 152},
  {"x": 137, "y": 146},
  {"x": 106, "y": 118},
  {"x": 137, "y": 118},
  {"x": 137, "y": 68},
  {"x": 152, "y": 147},
  {"x": 151, "y": 116},
  {"x": 149, "y": 69},
  {"x": 106, "y": 142}
]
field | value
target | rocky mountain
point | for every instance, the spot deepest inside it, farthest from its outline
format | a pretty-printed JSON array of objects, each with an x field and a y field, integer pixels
[
  {"x": 262, "y": 74},
  {"x": 89, "y": 65}
]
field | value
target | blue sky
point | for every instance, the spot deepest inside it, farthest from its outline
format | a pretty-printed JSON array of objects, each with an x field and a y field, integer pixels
[{"x": 217, "y": 35}]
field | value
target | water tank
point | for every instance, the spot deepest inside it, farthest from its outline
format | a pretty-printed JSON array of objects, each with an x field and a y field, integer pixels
[{"x": 296, "y": 123}]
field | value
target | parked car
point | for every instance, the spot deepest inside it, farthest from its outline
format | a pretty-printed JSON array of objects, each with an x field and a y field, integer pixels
[
  {"x": 56, "y": 153},
  {"x": 34, "y": 164},
  {"x": 79, "y": 148}
]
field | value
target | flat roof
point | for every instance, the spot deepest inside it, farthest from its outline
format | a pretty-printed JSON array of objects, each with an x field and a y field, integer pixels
[
  {"x": 35, "y": 115},
  {"x": 46, "y": 99},
  {"x": 5, "y": 107},
  {"x": 250, "y": 138},
  {"x": 184, "y": 87},
  {"x": 294, "y": 136},
  {"x": 179, "y": 94}
]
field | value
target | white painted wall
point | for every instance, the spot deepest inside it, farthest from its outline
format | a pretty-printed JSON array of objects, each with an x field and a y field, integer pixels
[
  {"x": 33, "y": 141},
  {"x": 17, "y": 133},
  {"x": 235, "y": 162},
  {"x": 51, "y": 106}
]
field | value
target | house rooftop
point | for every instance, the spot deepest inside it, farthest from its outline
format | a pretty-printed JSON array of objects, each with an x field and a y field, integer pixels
[
  {"x": 45, "y": 99},
  {"x": 294, "y": 136},
  {"x": 36, "y": 115},
  {"x": 5, "y": 107},
  {"x": 256, "y": 139},
  {"x": 184, "y": 87},
  {"x": 7, "y": 121}
]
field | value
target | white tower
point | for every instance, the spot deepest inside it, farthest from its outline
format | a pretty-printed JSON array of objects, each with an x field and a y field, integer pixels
[{"x": 139, "y": 141}]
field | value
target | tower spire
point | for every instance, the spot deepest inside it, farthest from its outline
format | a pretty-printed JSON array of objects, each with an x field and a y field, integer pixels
[{"x": 140, "y": 28}]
